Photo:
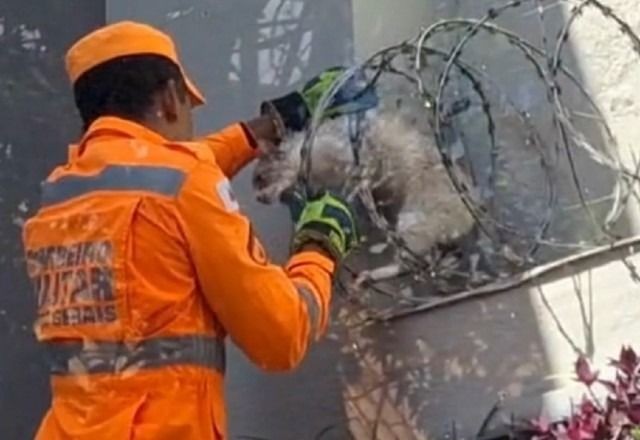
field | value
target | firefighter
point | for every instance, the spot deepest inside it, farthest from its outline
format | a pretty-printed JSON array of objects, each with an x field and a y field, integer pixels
[{"x": 142, "y": 263}]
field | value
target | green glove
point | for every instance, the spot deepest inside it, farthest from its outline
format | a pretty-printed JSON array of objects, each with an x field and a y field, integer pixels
[
  {"x": 295, "y": 109},
  {"x": 314, "y": 89},
  {"x": 328, "y": 222}
]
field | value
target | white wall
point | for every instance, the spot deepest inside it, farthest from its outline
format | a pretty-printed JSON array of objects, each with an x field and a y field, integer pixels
[{"x": 612, "y": 70}]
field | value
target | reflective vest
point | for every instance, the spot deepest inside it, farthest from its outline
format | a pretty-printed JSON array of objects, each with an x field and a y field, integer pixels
[{"x": 142, "y": 264}]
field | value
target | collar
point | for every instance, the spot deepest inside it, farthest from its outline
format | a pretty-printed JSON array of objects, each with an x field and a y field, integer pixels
[
  {"x": 117, "y": 127},
  {"x": 123, "y": 127}
]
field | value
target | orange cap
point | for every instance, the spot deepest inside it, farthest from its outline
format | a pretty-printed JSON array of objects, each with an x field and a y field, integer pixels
[{"x": 121, "y": 39}]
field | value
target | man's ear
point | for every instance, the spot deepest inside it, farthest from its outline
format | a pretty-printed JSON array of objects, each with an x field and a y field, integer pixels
[{"x": 170, "y": 101}]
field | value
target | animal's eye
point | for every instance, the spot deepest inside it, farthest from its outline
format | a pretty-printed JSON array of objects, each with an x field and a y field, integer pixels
[{"x": 259, "y": 179}]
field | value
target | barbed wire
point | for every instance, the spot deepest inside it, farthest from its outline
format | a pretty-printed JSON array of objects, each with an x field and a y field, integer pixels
[{"x": 424, "y": 56}]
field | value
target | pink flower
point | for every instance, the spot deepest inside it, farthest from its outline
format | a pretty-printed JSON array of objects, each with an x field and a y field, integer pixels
[{"x": 584, "y": 372}]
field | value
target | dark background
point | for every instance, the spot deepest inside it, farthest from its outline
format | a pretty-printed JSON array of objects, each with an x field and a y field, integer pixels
[{"x": 37, "y": 120}]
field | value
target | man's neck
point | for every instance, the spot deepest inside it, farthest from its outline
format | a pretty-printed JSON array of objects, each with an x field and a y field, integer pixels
[{"x": 159, "y": 127}]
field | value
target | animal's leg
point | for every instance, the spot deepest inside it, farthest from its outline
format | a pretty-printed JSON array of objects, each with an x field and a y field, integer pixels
[
  {"x": 379, "y": 248},
  {"x": 382, "y": 273},
  {"x": 474, "y": 259}
]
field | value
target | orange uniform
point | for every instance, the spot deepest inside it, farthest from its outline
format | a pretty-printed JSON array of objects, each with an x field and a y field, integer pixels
[{"x": 142, "y": 265}]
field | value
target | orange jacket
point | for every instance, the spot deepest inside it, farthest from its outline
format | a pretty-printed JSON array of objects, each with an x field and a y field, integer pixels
[{"x": 141, "y": 265}]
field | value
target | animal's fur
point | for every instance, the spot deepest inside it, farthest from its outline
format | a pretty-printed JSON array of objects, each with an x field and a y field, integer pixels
[{"x": 410, "y": 182}]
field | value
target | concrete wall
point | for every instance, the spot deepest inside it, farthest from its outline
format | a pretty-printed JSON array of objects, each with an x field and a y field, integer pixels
[
  {"x": 380, "y": 23},
  {"x": 422, "y": 376},
  {"x": 610, "y": 67},
  {"x": 38, "y": 121}
]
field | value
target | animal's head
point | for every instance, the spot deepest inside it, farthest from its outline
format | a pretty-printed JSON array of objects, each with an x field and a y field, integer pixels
[
  {"x": 277, "y": 169},
  {"x": 332, "y": 157}
]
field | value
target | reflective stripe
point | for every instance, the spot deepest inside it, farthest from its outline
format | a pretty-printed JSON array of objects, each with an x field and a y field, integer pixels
[
  {"x": 313, "y": 310},
  {"x": 160, "y": 180},
  {"x": 73, "y": 358}
]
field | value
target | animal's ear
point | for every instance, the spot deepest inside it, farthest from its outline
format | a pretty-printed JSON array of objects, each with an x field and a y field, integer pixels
[{"x": 267, "y": 147}]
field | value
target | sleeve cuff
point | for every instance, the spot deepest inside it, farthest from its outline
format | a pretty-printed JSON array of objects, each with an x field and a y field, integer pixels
[
  {"x": 310, "y": 257},
  {"x": 249, "y": 135},
  {"x": 246, "y": 145}
]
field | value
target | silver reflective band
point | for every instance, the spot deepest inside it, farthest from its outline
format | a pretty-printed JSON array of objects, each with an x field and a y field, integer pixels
[
  {"x": 74, "y": 358},
  {"x": 313, "y": 311},
  {"x": 160, "y": 180}
]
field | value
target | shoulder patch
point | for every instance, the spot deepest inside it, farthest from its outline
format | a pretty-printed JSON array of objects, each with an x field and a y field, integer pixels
[{"x": 225, "y": 192}]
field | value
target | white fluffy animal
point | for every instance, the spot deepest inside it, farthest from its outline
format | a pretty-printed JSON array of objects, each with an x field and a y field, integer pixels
[{"x": 410, "y": 185}]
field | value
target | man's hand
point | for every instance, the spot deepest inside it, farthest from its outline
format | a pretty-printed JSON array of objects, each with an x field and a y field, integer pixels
[
  {"x": 294, "y": 110},
  {"x": 325, "y": 221}
]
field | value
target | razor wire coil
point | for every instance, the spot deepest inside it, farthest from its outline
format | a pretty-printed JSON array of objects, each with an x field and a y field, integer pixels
[{"x": 547, "y": 64}]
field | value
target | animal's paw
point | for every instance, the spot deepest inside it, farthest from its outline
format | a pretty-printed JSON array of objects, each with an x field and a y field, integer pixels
[
  {"x": 362, "y": 280},
  {"x": 476, "y": 275},
  {"x": 269, "y": 194},
  {"x": 379, "y": 274}
]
